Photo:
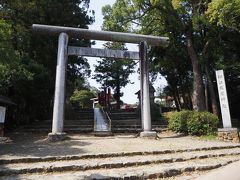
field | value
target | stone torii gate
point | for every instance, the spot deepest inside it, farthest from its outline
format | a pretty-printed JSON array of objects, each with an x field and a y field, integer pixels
[{"x": 64, "y": 51}]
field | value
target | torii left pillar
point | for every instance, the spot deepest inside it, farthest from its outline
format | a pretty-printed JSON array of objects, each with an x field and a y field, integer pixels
[
  {"x": 57, "y": 133},
  {"x": 144, "y": 92}
]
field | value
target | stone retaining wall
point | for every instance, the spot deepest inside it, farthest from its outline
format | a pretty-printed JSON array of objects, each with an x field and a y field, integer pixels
[
  {"x": 1, "y": 129},
  {"x": 229, "y": 135}
]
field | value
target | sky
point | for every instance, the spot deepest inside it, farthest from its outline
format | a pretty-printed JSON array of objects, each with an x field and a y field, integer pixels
[{"x": 130, "y": 90}]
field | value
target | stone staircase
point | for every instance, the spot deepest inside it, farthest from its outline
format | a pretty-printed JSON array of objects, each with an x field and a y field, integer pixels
[
  {"x": 124, "y": 165},
  {"x": 76, "y": 121},
  {"x": 123, "y": 121},
  {"x": 82, "y": 121}
]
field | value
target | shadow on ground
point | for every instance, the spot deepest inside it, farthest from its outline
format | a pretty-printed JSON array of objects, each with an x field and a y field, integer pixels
[
  {"x": 173, "y": 135},
  {"x": 36, "y": 145}
]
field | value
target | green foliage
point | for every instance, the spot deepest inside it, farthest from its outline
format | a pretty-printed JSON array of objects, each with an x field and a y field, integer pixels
[
  {"x": 191, "y": 122},
  {"x": 7, "y": 52},
  {"x": 12, "y": 71},
  {"x": 109, "y": 71},
  {"x": 113, "y": 18},
  {"x": 168, "y": 115},
  {"x": 195, "y": 39},
  {"x": 114, "y": 73},
  {"x": 178, "y": 121},
  {"x": 202, "y": 123},
  {"x": 28, "y": 61},
  {"x": 82, "y": 98},
  {"x": 225, "y": 13}
]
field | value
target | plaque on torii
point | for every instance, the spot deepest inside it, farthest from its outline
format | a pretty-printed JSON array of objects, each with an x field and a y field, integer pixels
[{"x": 64, "y": 51}]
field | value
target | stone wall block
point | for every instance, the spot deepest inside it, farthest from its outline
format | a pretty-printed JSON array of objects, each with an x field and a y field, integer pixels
[{"x": 229, "y": 135}]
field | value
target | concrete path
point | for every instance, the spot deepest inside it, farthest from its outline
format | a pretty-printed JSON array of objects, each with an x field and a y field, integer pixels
[
  {"x": 229, "y": 172},
  {"x": 101, "y": 123}
]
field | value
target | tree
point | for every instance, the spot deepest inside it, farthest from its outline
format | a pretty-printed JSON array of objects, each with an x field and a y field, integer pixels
[
  {"x": 11, "y": 69},
  {"x": 187, "y": 25},
  {"x": 225, "y": 13},
  {"x": 114, "y": 73},
  {"x": 158, "y": 16},
  {"x": 226, "y": 56},
  {"x": 82, "y": 98},
  {"x": 109, "y": 71},
  {"x": 174, "y": 64},
  {"x": 37, "y": 54}
]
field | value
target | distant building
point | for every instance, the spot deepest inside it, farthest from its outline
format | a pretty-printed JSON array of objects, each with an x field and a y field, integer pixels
[
  {"x": 166, "y": 101},
  {"x": 4, "y": 102}
]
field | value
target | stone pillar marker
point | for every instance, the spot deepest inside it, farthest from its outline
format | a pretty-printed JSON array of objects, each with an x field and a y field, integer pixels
[
  {"x": 144, "y": 92},
  {"x": 59, "y": 98},
  {"x": 227, "y": 133},
  {"x": 2, "y": 120},
  {"x": 222, "y": 92}
]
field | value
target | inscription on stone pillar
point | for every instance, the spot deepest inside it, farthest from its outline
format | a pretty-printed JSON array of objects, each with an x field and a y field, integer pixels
[
  {"x": 222, "y": 92},
  {"x": 2, "y": 114}
]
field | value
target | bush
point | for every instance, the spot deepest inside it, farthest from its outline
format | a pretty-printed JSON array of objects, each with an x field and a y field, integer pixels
[
  {"x": 202, "y": 123},
  {"x": 178, "y": 121},
  {"x": 190, "y": 122},
  {"x": 168, "y": 115}
]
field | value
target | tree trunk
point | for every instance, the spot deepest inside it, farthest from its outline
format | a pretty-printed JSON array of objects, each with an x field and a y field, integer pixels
[
  {"x": 183, "y": 93},
  {"x": 212, "y": 93},
  {"x": 176, "y": 102},
  {"x": 198, "y": 90},
  {"x": 190, "y": 99},
  {"x": 206, "y": 94},
  {"x": 178, "y": 99},
  {"x": 185, "y": 101}
]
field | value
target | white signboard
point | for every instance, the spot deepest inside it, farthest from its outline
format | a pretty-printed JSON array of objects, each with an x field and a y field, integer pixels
[
  {"x": 222, "y": 92},
  {"x": 2, "y": 114}
]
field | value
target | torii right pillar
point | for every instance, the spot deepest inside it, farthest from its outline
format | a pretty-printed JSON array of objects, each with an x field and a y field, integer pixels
[{"x": 144, "y": 93}]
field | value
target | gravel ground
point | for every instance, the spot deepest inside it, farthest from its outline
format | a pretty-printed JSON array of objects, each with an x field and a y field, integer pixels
[
  {"x": 19, "y": 145},
  {"x": 35, "y": 145}
]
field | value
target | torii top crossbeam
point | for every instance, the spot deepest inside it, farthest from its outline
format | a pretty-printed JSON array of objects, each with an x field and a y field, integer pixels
[{"x": 101, "y": 35}]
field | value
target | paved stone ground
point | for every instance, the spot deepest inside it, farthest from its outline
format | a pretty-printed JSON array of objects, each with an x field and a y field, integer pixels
[{"x": 22, "y": 146}]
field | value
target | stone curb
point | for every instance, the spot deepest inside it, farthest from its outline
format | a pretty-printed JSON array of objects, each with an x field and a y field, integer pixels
[
  {"x": 65, "y": 168},
  {"x": 167, "y": 173},
  {"x": 177, "y": 171},
  {"x": 107, "y": 155}
]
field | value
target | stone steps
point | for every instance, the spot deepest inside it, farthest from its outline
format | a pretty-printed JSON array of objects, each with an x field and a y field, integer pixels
[
  {"x": 76, "y": 121},
  {"x": 67, "y": 130},
  {"x": 89, "y": 129},
  {"x": 131, "y": 165},
  {"x": 119, "y": 124},
  {"x": 83, "y": 122},
  {"x": 132, "y": 173},
  {"x": 80, "y": 117},
  {"x": 66, "y": 123},
  {"x": 130, "y": 122},
  {"x": 79, "y": 114},
  {"x": 47, "y": 126},
  {"x": 121, "y": 117}
]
